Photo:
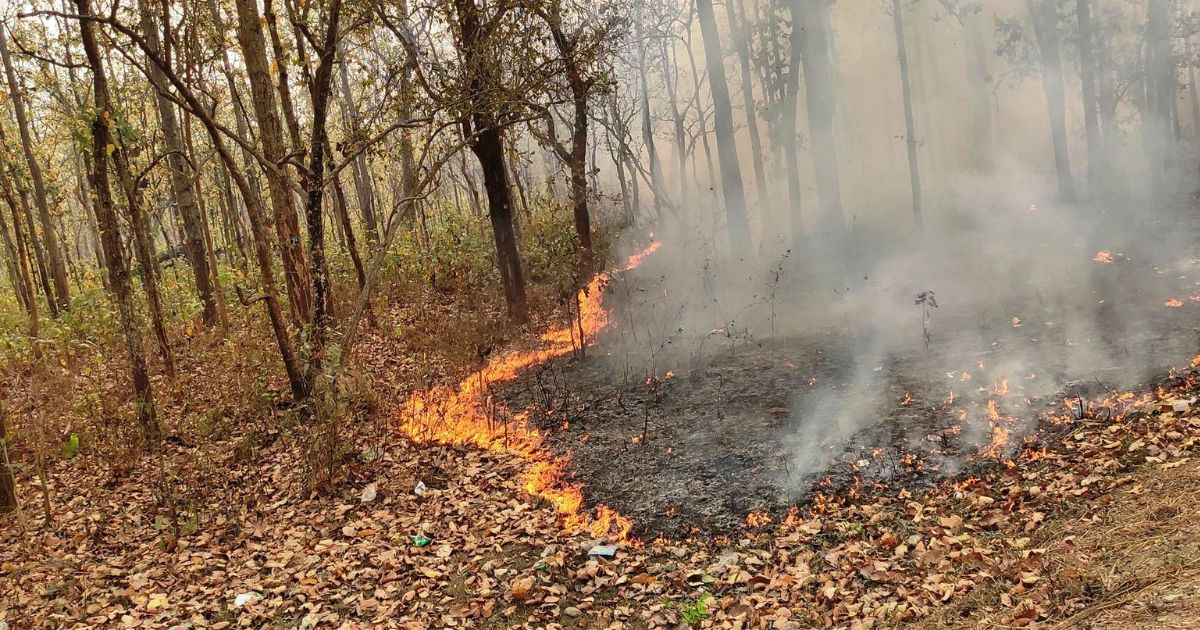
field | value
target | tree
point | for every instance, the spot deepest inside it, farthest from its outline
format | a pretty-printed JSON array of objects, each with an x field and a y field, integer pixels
[
  {"x": 820, "y": 88},
  {"x": 314, "y": 188},
  {"x": 740, "y": 41},
  {"x": 8, "y": 487},
  {"x": 58, "y": 270},
  {"x": 657, "y": 187},
  {"x": 110, "y": 237},
  {"x": 1044, "y": 16},
  {"x": 968, "y": 15},
  {"x": 731, "y": 170},
  {"x": 1161, "y": 86},
  {"x": 786, "y": 137},
  {"x": 195, "y": 248},
  {"x": 266, "y": 112},
  {"x": 1091, "y": 109},
  {"x": 255, "y": 212},
  {"x": 581, "y": 50},
  {"x": 483, "y": 122},
  {"x": 910, "y": 127}
]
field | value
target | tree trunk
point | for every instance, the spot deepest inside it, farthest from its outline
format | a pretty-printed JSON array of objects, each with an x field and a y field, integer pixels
[
  {"x": 314, "y": 187},
  {"x": 22, "y": 251},
  {"x": 680, "y": 134},
  {"x": 1091, "y": 110},
  {"x": 266, "y": 111},
  {"x": 490, "y": 152},
  {"x": 141, "y": 248},
  {"x": 910, "y": 131},
  {"x": 1044, "y": 15},
  {"x": 488, "y": 147},
  {"x": 577, "y": 155},
  {"x": 1193, "y": 93},
  {"x": 364, "y": 187},
  {"x": 731, "y": 170},
  {"x": 110, "y": 236},
  {"x": 194, "y": 246},
  {"x": 58, "y": 270},
  {"x": 254, "y": 210},
  {"x": 8, "y": 486},
  {"x": 820, "y": 89},
  {"x": 1161, "y": 84},
  {"x": 656, "y": 177},
  {"x": 978, "y": 79},
  {"x": 740, "y": 40},
  {"x": 787, "y": 127},
  {"x": 347, "y": 228}
]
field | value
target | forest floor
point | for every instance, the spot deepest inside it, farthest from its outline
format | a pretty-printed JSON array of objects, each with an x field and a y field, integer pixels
[{"x": 1092, "y": 528}]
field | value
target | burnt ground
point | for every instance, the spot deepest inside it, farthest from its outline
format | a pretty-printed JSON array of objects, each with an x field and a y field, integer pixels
[{"x": 688, "y": 435}]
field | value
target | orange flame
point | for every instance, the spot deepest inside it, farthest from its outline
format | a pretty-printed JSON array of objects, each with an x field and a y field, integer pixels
[
  {"x": 1173, "y": 303},
  {"x": 1103, "y": 257},
  {"x": 999, "y": 431},
  {"x": 758, "y": 519},
  {"x": 465, "y": 413}
]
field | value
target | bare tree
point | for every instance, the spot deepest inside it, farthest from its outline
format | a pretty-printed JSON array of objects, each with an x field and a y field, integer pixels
[
  {"x": 181, "y": 173},
  {"x": 820, "y": 88},
  {"x": 1044, "y": 15},
  {"x": 910, "y": 127},
  {"x": 731, "y": 170}
]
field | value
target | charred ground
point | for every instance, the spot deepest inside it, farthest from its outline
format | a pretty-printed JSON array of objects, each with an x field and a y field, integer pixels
[{"x": 698, "y": 441}]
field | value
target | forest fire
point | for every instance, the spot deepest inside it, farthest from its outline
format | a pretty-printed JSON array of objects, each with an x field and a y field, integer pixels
[
  {"x": 466, "y": 414},
  {"x": 1173, "y": 303},
  {"x": 1103, "y": 256}
]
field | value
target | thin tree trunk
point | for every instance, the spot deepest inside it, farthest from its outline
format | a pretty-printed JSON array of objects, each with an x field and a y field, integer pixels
[
  {"x": 820, "y": 89},
  {"x": 8, "y": 486},
  {"x": 58, "y": 271},
  {"x": 740, "y": 41},
  {"x": 787, "y": 127},
  {"x": 23, "y": 261},
  {"x": 194, "y": 246},
  {"x": 672, "y": 89},
  {"x": 1193, "y": 93},
  {"x": 141, "y": 248},
  {"x": 347, "y": 228},
  {"x": 1045, "y": 27},
  {"x": 731, "y": 170},
  {"x": 364, "y": 186},
  {"x": 315, "y": 189},
  {"x": 910, "y": 131},
  {"x": 656, "y": 176},
  {"x": 266, "y": 111},
  {"x": 1091, "y": 110},
  {"x": 978, "y": 78},
  {"x": 1161, "y": 84},
  {"x": 110, "y": 236}
]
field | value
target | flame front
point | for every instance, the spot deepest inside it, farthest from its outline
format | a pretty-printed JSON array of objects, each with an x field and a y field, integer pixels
[{"x": 465, "y": 413}]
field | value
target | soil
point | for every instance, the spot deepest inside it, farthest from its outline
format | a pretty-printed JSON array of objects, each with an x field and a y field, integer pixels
[{"x": 689, "y": 435}]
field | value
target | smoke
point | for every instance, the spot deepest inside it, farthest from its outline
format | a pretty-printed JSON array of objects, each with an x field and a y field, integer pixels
[{"x": 1025, "y": 311}]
